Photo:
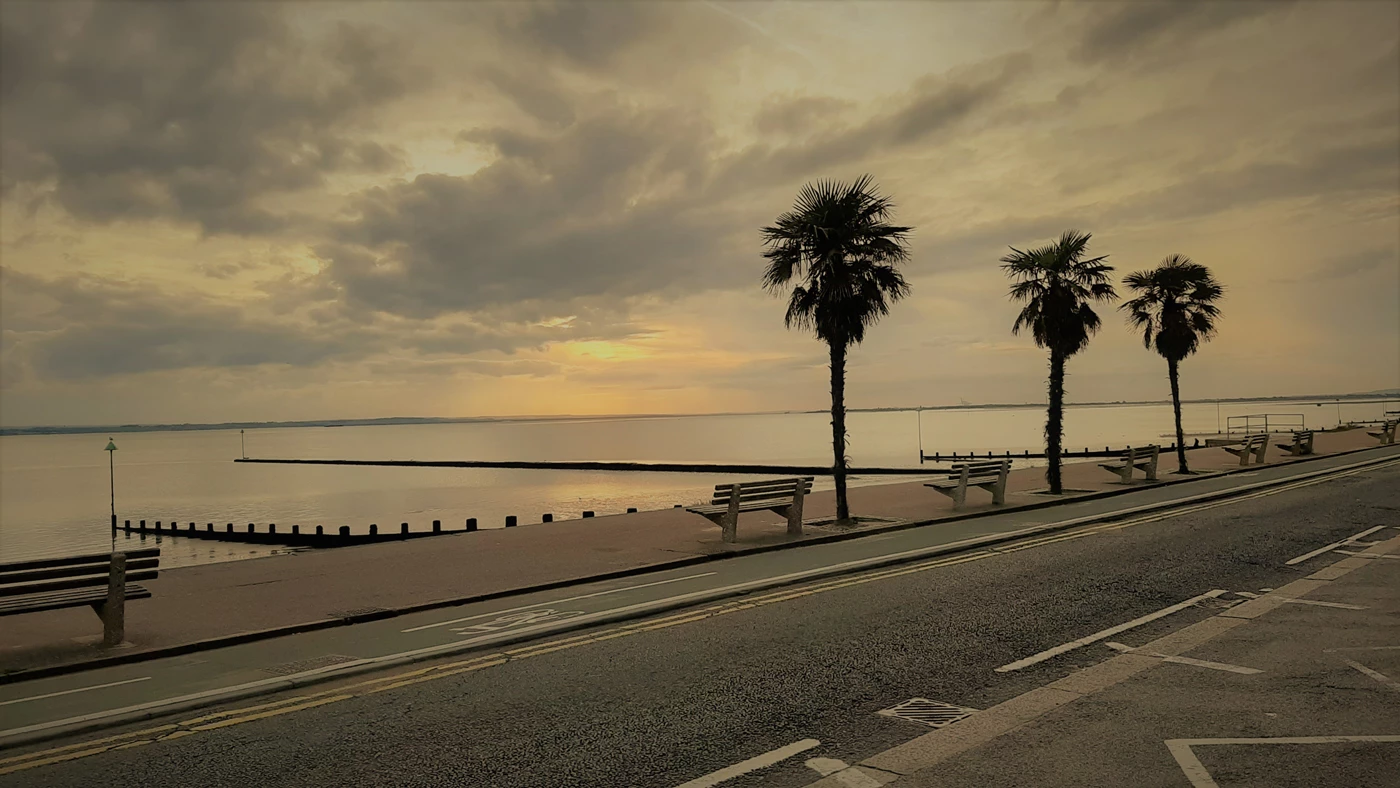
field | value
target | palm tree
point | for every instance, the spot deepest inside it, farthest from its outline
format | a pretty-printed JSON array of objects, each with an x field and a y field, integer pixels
[
  {"x": 838, "y": 243},
  {"x": 1175, "y": 308},
  {"x": 1056, "y": 285}
]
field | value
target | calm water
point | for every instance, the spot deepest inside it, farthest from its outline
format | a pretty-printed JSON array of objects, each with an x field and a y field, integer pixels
[{"x": 54, "y": 488}]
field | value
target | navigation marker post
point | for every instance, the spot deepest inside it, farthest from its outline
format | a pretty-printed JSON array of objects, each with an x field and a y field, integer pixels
[
  {"x": 242, "y": 447},
  {"x": 112, "y": 487}
]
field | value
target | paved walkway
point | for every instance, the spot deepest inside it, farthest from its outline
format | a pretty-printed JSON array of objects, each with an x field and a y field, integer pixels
[
  {"x": 215, "y": 601},
  {"x": 1296, "y": 686}
]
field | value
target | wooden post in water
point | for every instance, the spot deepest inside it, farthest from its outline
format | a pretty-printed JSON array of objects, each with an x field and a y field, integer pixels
[
  {"x": 588, "y": 514},
  {"x": 547, "y": 518},
  {"x": 510, "y": 521},
  {"x": 403, "y": 528},
  {"x": 471, "y": 523},
  {"x": 114, "y": 608},
  {"x": 373, "y": 529}
]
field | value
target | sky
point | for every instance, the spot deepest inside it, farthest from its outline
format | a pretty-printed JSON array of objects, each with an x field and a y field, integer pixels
[{"x": 233, "y": 211}]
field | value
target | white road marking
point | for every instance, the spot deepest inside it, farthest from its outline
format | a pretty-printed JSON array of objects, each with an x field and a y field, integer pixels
[
  {"x": 1204, "y": 663},
  {"x": 825, "y": 766},
  {"x": 1319, "y": 603},
  {"x": 1319, "y": 551},
  {"x": 1377, "y": 675},
  {"x": 751, "y": 765},
  {"x": 71, "y": 691},
  {"x": 1110, "y": 632},
  {"x": 1200, "y": 778},
  {"x": 555, "y": 602},
  {"x": 849, "y": 776},
  {"x": 1360, "y": 648},
  {"x": 1391, "y": 556},
  {"x": 1200, "y": 663}
]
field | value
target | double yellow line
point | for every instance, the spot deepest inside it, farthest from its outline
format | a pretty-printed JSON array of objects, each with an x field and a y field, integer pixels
[{"x": 225, "y": 719}]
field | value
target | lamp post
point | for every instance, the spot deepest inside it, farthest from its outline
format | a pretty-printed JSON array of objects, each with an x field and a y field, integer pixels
[
  {"x": 919, "y": 411},
  {"x": 112, "y": 487},
  {"x": 241, "y": 446}
]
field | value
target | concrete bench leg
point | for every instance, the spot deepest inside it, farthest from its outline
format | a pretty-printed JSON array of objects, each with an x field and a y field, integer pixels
[
  {"x": 113, "y": 610},
  {"x": 960, "y": 494},
  {"x": 730, "y": 524},
  {"x": 999, "y": 491},
  {"x": 794, "y": 512}
]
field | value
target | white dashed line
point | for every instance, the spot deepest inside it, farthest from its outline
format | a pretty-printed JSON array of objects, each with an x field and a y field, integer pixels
[
  {"x": 751, "y": 765},
  {"x": 1107, "y": 633}
]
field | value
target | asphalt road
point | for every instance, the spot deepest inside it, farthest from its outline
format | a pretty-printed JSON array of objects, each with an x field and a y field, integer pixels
[{"x": 662, "y": 707}]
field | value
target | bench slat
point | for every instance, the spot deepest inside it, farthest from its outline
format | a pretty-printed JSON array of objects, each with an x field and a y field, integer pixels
[
  {"x": 17, "y": 589},
  {"x": 30, "y": 575},
  {"x": 767, "y": 496},
  {"x": 746, "y": 486},
  {"x": 971, "y": 481},
  {"x": 743, "y": 507},
  {"x": 36, "y": 603},
  {"x": 94, "y": 558}
]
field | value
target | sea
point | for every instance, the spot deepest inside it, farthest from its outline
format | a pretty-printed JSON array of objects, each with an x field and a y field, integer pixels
[{"x": 56, "y": 490}]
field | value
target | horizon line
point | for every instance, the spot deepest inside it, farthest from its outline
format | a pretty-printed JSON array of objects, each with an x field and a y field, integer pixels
[{"x": 41, "y": 429}]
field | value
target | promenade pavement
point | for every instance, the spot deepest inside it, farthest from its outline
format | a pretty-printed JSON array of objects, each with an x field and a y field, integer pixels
[
  {"x": 1293, "y": 686},
  {"x": 315, "y": 588}
]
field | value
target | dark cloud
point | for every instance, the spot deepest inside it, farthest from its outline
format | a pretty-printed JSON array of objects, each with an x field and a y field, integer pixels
[
  {"x": 935, "y": 106},
  {"x": 88, "y": 327},
  {"x": 187, "y": 111},
  {"x": 535, "y": 94},
  {"x": 1122, "y": 31},
  {"x": 797, "y": 116},
  {"x": 584, "y": 34},
  {"x": 601, "y": 208}
]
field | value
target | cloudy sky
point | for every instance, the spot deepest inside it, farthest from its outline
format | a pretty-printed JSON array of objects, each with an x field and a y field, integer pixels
[{"x": 238, "y": 211}]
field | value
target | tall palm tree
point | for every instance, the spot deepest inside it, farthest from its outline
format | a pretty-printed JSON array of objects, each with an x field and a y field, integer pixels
[
  {"x": 839, "y": 245},
  {"x": 1056, "y": 286},
  {"x": 1175, "y": 308}
]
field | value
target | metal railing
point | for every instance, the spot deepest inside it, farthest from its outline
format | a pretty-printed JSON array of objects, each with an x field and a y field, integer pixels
[{"x": 1256, "y": 423}]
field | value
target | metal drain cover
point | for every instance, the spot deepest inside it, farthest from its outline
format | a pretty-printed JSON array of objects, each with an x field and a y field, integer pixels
[
  {"x": 928, "y": 712},
  {"x": 300, "y": 666}
]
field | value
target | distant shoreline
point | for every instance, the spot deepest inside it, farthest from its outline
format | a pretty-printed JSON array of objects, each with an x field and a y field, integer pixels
[{"x": 1379, "y": 396}]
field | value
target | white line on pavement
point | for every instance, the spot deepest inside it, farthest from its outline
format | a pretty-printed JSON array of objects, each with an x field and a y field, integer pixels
[
  {"x": 1200, "y": 663},
  {"x": 1200, "y": 778},
  {"x": 1369, "y": 555},
  {"x": 751, "y": 765},
  {"x": 1319, "y": 551},
  {"x": 556, "y": 602},
  {"x": 1292, "y": 600},
  {"x": 1377, "y": 675},
  {"x": 71, "y": 691},
  {"x": 1110, "y": 632},
  {"x": 1205, "y": 663}
]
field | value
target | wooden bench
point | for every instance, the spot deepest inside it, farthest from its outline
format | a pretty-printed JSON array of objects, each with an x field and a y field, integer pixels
[
  {"x": 990, "y": 476},
  {"x": 783, "y": 496},
  {"x": 1251, "y": 446},
  {"x": 103, "y": 581},
  {"x": 1387, "y": 433},
  {"x": 1302, "y": 443},
  {"x": 1141, "y": 457}
]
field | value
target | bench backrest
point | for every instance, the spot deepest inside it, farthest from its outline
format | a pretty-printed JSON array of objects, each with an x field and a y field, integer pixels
[
  {"x": 1140, "y": 452},
  {"x": 974, "y": 469},
  {"x": 78, "y": 571},
  {"x": 1302, "y": 435},
  {"x": 772, "y": 489},
  {"x": 1252, "y": 441}
]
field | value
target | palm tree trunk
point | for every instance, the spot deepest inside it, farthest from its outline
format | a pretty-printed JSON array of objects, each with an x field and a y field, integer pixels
[
  {"x": 838, "y": 427},
  {"x": 1176, "y": 407},
  {"x": 1054, "y": 422}
]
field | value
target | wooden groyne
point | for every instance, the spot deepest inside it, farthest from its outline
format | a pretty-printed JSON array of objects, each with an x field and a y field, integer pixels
[
  {"x": 1029, "y": 455},
  {"x": 294, "y": 536}
]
